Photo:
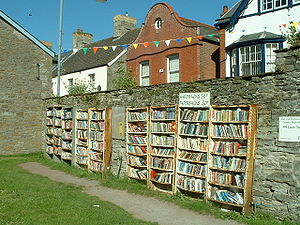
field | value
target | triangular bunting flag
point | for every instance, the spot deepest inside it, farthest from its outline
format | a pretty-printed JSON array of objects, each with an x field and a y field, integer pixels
[
  {"x": 178, "y": 40},
  {"x": 95, "y": 49},
  {"x": 65, "y": 50},
  {"x": 135, "y": 45},
  {"x": 146, "y": 44},
  {"x": 105, "y": 47},
  {"x": 167, "y": 42},
  {"x": 284, "y": 25},
  {"x": 210, "y": 35},
  {"x": 113, "y": 47},
  {"x": 84, "y": 50},
  {"x": 156, "y": 43},
  {"x": 189, "y": 39},
  {"x": 200, "y": 37},
  {"x": 75, "y": 50},
  {"x": 125, "y": 46},
  {"x": 295, "y": 24}
]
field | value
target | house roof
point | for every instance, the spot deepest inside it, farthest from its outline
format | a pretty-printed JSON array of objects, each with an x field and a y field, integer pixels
[
  {"x": 256, "y": 38},
  {"x": 79, "y": 61},
  {"x": 19, "y": 28}
]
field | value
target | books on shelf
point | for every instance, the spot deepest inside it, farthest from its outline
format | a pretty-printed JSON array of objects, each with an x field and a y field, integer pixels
[
  {"x": 193, "y": 156},
  {"x": 230, "y": 131},
  {"x": 137, "y": 150},
  {"x": 228, "y": 163},
  {"x": 193, "y": 143},
  {"x": 162, "y": 163},
  {"x": 194, "y": 115},
  {"x": 194, "y": 129},
  {"x": 226, "y": 196},
  {"x": 162, "y": 140},
  {"x": 231, "y": 179},
  {"x": 229, "y": 148},
  {"x": 192, "y": 169},
  {"x": 163, "y": 113},
  {"x": 136, "y": 161},
  {"x": 140, "y": 174},
  {"x": 191, "y": 183},
  {"x": 162, "y": 177},
  {"x": 230, "y": 115}
]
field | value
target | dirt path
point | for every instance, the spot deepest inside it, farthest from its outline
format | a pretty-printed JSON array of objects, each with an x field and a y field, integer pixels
[{"x": 141, "y": 207}]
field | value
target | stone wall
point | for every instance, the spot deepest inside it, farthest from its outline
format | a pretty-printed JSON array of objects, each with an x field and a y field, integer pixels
[
  {"x": 277, "y": 164},
  {"x": 25, "y": 73}
]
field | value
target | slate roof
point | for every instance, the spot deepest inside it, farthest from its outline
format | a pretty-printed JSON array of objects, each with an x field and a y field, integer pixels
[{"x": 78, "y": 62}]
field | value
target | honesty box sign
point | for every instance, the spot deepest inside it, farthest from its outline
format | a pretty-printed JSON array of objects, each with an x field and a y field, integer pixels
[
  {"x": 194, "y": 100},
  {"x": 289, "y": 129}
]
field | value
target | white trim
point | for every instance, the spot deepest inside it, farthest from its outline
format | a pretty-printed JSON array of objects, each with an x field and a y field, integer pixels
[
  {"x": 118, "y": 56},
  {"x": 27, "y": 34},
  {"x": 146, "y": 62}
]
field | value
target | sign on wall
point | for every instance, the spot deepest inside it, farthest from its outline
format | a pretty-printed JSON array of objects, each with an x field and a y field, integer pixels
[
  {"x": 289, "y": 129},
  {"x": 194, "y": 100}
]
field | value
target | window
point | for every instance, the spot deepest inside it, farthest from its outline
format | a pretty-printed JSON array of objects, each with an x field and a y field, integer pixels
[
  {"x": 71, "y": 82},
  {"x": 233, "y": 63},
  {"x": 273, "y": 4},
  {"x": 173, "y": 68},
  {"x": 158, "y": 23},
  {"x": 270, "y": 56},
  {"x": 92, "y": 79},
  {"x": 144, "y": 74},
  {"x": 250, "y": 60},
  {"x": 296, "y": 1}
]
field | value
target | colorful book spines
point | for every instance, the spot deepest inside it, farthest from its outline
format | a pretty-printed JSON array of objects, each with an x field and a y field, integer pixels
[
  {"x": 229, "y": 148},
  {"x": 163, "y": 127},
  {"x": 193, "y": 143},
  {"x": 230, "y": 115},
  {"x": 229, "y": 163},
  {"x": 133, "y": 116},
  {"x": 162, "y": 163},
  {"x": 98, "y": 115},
  {"x": 136, "y": 161},
  {"x": 137, "y": 139},
  {"x": 138, "y": 150},
  {"x": 191, "y": 184},
  {"x": 140, "y": 174},
  {"x": 162, "y": 140},
  {"x": 230, "y": 131},
  {"x": 226, "y": 196},
  {"x": 237, "y": 180},
  {"x": 137, "y": 127},
  {"x": 163, "y": 113},
  {"x": 192, "y": 169},
  {"x": 82, "y": 115},
  {"x": 194, "y": 129},
  {"x": 194, "y": 115},
  {"x": 193, "y": 156}
]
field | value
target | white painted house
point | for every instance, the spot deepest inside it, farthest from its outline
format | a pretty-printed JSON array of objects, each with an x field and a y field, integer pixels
[
  {"x": 96, "y": 63},
  {"x": 253, "y": 30}
]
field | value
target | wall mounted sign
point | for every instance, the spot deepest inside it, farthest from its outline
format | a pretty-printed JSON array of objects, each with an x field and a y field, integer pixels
[
  {"x": 289, "y": 129},
  {"x": 194, "y": 100}
]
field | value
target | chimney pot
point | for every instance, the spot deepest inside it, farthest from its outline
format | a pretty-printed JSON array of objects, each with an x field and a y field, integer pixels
[{"x": 225, "y": 10}]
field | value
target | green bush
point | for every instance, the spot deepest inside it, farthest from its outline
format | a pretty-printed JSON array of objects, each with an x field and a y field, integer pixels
[
  {"x": 80, "y": 87},
  {"x": 123, "y": 79},
  {"x": 292, "y": 34}
]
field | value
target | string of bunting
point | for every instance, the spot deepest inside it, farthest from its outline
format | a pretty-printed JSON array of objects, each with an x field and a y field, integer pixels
[{"x": 145, "y": 44}]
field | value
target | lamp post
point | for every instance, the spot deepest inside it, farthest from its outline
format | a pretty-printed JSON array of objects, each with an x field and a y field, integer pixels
[{"x": 60, "y": 43}]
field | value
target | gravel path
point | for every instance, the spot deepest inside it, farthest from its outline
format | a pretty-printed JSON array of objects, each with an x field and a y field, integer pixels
[{"x": 141, "y": 207}]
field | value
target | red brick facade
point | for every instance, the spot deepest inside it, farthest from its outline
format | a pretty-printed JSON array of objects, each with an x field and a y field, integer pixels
[{"x": 198, "y": 60}]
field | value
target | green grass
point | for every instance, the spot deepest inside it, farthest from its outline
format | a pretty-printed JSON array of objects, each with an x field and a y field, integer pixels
[
  {"x": 257, "y": 218},
  {"x": 28, "y": 199}
]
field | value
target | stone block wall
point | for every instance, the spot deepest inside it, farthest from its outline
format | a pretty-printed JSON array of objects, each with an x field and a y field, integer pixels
[
  {"x": 277, "y": 164},
  {"x": 25, "y": 73}
]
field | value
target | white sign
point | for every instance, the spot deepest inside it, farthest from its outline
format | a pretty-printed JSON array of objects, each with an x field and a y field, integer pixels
[
  {"x": 194, "y": 100},
  {"x": 289, "y": 129}
]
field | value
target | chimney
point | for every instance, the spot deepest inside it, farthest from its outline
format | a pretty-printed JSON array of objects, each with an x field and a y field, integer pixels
[
  {"x": 81, "y": 38},
  {"x": 123, "y": 23},
  {"x": 225, "y": 10}
]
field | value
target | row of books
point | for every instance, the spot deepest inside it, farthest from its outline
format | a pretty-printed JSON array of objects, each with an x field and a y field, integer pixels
[
  {"x": 57, "y": 150},
  {"x": 82, "y": 124},
  {"x": 54, "y": 121},
  {"x": 137, "y": 150},
  {"x": 194, "y": 115},
  {"x": 98, "y": 156},
  {"x": 67, "y": 114},
  {"x": 192, "y": 169},
  {"x": 228, "y": 179},
  {"x": 191, "y": 183},
  {"x": 137, "y": 127},
  {"x": 82, "y": 160},
  {"x": 81, "y": 151},
  {"x": 162, "y": 140},
  {"x": 133, "y": 116},
  {"x": 193, "y": 156},
  {"x": 56, "y": 141},
  {"x": 82, "y": 115},
  {"x": 66, "y": 155},
  {"x": 193, "y": 143},
  {"x": 137, "y": 139},
  {"x": 163, "y": 127},
  {"x": 54, "y": 131},
  {"x": 97, "y": 115},
  {"x": 96, "y": 166},
  {"x": 137, "y": 173},
  {"x": 166, "y": 178},
  {"x": 229, "y": 148},
  {"x": 162, "y": 163},
  {"x": 96, "y": 145},
  {"x": 97, "y": 135},
  {"x": 163, "y": 151},
  {"x": 226, "y": 196},
  {"x": 229, "y": 163},
  {"x": 230, "y": 130},
  {"x": 136, "y": 161},
  {"x": 67, "y": 124},
  {"x": 49, "y": 149},
  {"x": 67, "y": 145},
  {"x": 194, "y": 129},
  {"x": 83, "y": 134},
  {"x": 229, "y": 115},
  {"x": 54, "y": 112},
  {"x": 165, "y": 113},
  {"x": 97, "y": 125},
  {"x": 66, "y": 135}
]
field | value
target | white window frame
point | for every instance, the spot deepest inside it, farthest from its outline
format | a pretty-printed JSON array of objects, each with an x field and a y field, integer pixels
[
  {"x": 92, "y": 79},
  {"x": 233, "y": 59},
  {"x": 267, "y": 5},
  {"x": 70, "y": 82},
  {"x": 250, "y": 59},
  {"x": 296, "y": 1},
  {"x": 144, "y": 76},
  {"x": 270, "y": 56},
  {"x": 173, "y": 71},
  {"x": 158, "y": 23}
]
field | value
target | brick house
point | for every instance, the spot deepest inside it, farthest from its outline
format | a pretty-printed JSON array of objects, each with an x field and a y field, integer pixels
[
  {"x": 171, "y": 48},
  {"x": 25, "y": 76}
]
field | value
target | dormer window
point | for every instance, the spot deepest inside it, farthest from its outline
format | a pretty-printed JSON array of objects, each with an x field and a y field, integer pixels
[
  {"x": 158, "y": 23},
  {"x": 273, "y": 4}
]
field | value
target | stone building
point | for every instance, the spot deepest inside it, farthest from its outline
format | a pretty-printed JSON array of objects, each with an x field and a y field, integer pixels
[
  {"x": 25, "y": 76},
  {"x": 171, "y": 48}
]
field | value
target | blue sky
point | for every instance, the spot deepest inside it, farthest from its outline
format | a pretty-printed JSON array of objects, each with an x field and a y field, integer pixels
[{"x": 41, "y": 17}]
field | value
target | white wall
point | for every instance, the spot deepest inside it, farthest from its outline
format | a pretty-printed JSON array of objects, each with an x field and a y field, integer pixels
[
  {"x": 100, "y": 79},
  {"x": 269, "y": 22}
]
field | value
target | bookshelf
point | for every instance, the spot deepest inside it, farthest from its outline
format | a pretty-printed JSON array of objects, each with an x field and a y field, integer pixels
[
  {"x": 99, "y": 139},
  {"x": 81, "y": 140},
  {"x": 49, "y": 132},
  {"x": 162, "y": 148},
  {"x": 67, "y": 134},
  {"x": 231, "y": 156},
  {"x": 137, "y": 121},
  {"x": 192, "y": 148}
]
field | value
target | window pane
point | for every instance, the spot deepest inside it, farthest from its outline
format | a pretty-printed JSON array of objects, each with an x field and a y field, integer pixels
[
  {"x": 145, "y": 81},
  {"x": 174, "y": 77},
  {"x": 144, "y": 74},
  {"x": 173, "y": 66}
]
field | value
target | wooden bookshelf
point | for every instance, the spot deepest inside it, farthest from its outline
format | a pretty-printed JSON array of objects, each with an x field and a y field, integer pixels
[
  {"x": 192, "y": 147},
  {"x": 99, "y": 139},
  {"x": 231, "y": 156},
  {"x": 162, "y": 147},
  {"x": 67, "y": 134},
  {"x": 49, "y": 132},
  {"x": 82, "y": 136},
  {"x": 137, "y": 122}
]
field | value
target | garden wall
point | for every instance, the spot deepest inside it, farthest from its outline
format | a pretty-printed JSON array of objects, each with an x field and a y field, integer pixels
[{"x": 277, "y": 164}]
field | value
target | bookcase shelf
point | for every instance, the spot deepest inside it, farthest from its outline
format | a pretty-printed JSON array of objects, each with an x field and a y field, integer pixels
[
  {"x": 231, "y": 156},
  {"x": 192, "y": 148},
  {"x": 137, "y": 123},
  {"x": 162, "y": 147},
  {"x": 67, "y": 134},
  {"x": 82, "y": 136}
]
